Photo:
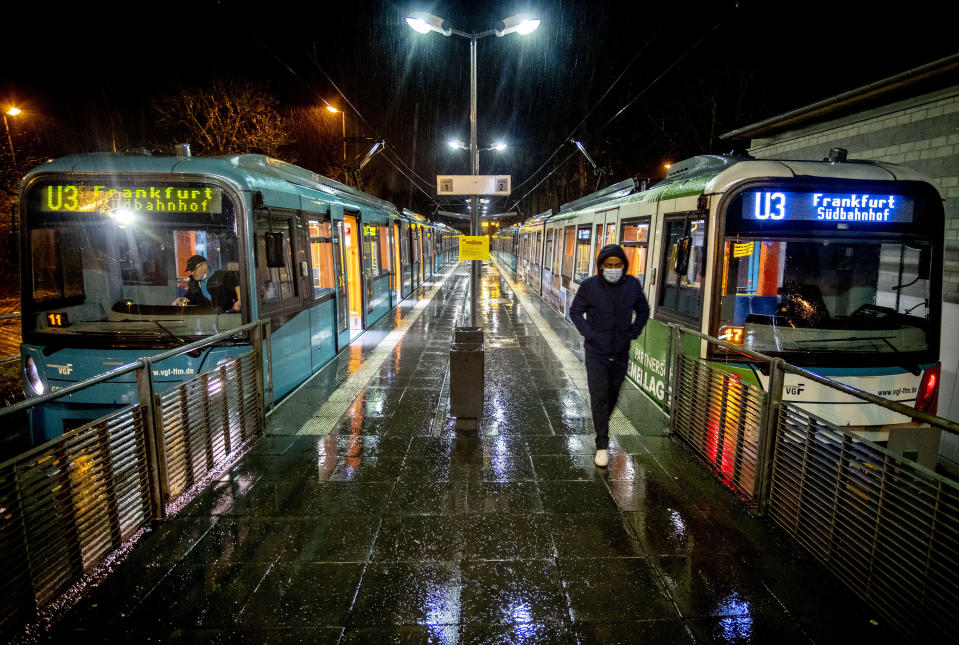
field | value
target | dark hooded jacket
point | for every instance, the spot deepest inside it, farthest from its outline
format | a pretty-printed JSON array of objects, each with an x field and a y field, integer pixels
[{"x": 608, "y": 315}]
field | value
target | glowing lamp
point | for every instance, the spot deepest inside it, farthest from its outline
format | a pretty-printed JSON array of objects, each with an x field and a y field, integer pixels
[{"x": 521, "y": 24}]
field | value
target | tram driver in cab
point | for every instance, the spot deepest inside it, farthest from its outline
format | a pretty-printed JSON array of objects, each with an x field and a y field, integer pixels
[{"x": 221, "y": 290}]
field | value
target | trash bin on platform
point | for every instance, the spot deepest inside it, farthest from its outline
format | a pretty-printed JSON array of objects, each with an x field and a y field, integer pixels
[
  {"x": 468, "y": 335},
  {"x": 467, "y": 383}
]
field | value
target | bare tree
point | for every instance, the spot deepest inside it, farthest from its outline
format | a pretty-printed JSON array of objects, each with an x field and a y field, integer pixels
[{"x": 225, "y": 117}]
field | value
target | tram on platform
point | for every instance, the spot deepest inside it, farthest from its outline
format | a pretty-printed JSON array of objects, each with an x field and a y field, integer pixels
[
  {"x": 108, "y": 240},
  {"x": 834, "y": 266}
]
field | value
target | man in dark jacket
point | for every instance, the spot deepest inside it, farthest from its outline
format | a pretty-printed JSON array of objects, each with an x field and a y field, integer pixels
[
  {"x": 196, "y": 292},
  {"x": 609, "y": 310}
]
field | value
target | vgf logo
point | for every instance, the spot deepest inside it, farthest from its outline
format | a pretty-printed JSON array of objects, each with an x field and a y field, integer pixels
[
  {"x": 795, "y": 390},
  {"x": 64, "y": 370}
]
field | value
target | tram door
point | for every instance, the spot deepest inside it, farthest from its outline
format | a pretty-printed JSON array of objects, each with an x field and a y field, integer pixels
[
  {"x": 368, "y": 259},
  {"x": 397, "y": 277},
  {"x": 423, "y": 259},
  {"x": 352, "y": 239},
  {"x": 339, "y": 273},
  {"x": 414, "y": 258}
]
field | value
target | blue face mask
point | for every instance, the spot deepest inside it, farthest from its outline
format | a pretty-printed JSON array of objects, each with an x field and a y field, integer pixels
[{"x": 612, "y": 275}]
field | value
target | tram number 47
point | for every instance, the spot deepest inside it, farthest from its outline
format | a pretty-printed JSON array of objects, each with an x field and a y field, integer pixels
[{"x": 770, "y": 205}]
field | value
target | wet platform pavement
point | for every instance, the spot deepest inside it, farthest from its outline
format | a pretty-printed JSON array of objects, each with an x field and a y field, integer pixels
[{"x": 378, "y": 522}]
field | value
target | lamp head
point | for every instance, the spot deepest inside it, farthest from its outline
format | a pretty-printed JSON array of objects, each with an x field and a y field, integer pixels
[
  {"x": 426, "y": 22},
  {"x": 13, "y": 111},
  {"x": 499, "y": 145},
  {"x": 452, "y": 143},
  {"x": 521, "y": 23},
  {"x": 332, "y": 109}
]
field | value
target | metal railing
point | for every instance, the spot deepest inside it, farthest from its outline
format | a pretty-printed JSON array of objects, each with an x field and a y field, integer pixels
[
  {"x": 887, "y": 527},
  {"x": 68, "y": 505}
]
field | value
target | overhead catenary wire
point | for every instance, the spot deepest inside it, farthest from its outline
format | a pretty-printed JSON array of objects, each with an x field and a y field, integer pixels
[
  {"x": 590, "y": 111},
  {"x": 389, "y": 147},
  {"x": 348, "y": 102},
  {"x": 619, "y": 112}
]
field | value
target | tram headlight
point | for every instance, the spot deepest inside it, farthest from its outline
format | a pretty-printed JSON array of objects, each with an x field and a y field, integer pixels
[
  {"x": 34, "y": 382},
  {"x": 927, "y": 400}
]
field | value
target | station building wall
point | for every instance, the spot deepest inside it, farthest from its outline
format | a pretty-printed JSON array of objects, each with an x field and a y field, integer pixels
[{"x": 923, "y": 133}]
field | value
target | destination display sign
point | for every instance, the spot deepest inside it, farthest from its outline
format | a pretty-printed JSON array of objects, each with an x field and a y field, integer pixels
[
  {"x": 154, "y": 198},
  {"x": 851, "y": 208}
]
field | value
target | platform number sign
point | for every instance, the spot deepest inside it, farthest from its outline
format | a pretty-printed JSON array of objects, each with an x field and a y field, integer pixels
[{"x": 473, "y": 184}]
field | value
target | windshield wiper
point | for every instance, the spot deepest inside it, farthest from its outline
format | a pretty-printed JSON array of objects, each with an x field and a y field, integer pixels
[
  {"x": 169, "y": 333},
  {"x": 194, "y": 353}
]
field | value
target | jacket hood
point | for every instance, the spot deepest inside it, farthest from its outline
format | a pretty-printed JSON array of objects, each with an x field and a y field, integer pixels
[{"x": 612, "y": 250}]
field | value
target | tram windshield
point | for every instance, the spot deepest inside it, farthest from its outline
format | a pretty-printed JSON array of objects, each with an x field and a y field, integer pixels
[
  {"x": 827, "y": 296},
  {"x": 153, "y": 264}
]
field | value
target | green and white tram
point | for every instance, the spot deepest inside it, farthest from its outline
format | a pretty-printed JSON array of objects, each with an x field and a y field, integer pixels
[{"x": 833, "y": 266}]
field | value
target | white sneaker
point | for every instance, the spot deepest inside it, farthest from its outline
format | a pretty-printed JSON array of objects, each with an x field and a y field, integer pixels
[{"x": 602, "y": 458}]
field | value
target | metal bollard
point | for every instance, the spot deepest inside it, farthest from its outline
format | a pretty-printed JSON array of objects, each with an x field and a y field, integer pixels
[{"x": 467, "y": 382}]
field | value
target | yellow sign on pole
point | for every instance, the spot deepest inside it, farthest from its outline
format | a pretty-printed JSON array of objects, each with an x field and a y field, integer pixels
[{"x": 474, "y": 247}]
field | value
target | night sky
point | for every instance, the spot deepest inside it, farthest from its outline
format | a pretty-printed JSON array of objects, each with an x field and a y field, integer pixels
[{"x": 684, "y": 73}]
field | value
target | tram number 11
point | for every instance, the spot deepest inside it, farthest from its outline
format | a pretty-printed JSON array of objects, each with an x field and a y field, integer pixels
[{"x": 770, "y": 206}]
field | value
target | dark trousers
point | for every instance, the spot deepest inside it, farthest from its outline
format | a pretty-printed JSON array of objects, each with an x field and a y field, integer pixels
[{"x": 604, "y": 376}]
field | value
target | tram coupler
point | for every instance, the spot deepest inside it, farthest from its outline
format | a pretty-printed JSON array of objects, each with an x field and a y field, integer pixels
[{"x": 467, "y": 382}]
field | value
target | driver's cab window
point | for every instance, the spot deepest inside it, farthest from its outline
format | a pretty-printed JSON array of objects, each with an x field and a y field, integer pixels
[
  {"x": 274, "y": 259},
  {"x": 207, "y": 270},
  {"x": 685, "y": 261}
]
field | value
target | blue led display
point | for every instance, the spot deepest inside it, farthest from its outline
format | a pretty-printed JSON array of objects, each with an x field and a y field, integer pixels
[{"x": 853, "y": 208}]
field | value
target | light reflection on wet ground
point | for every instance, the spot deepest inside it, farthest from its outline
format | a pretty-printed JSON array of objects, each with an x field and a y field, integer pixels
[{"x": 396, "y": 528}]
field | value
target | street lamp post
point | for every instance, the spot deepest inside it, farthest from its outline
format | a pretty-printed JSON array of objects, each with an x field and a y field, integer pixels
[
  {"x": 343, "y": 120},
  {"x": 520, "y": 23},
  {"x": 13, "y": 111}
]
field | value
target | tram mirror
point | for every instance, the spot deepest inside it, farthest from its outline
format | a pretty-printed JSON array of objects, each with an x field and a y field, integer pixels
[
  {"x": 683, "y": 246},
  {"x": 925, "y": 263},
  {"x": 274, "y": 250}
]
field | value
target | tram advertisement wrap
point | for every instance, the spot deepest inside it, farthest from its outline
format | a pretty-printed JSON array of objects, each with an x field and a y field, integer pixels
[{"x": 648, "y": 358}]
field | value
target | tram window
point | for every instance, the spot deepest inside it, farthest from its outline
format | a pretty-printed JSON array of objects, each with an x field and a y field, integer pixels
[
  {"x": 682, "y": 292},
  {"x": 404, "y": 245},
  {"x": 384, "y": 248},
  {"x": 275, "y": 284},
  {"x": 57, "y": 265},
  {"x": 826, "y": 295},
  {"x": 583, "y": 259},
  {"x": 143, "y": 261},
  {"x": 634, "y": 240},
  {"x": 371, "y": 248},
  {"x": 321, "y": 257}
]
